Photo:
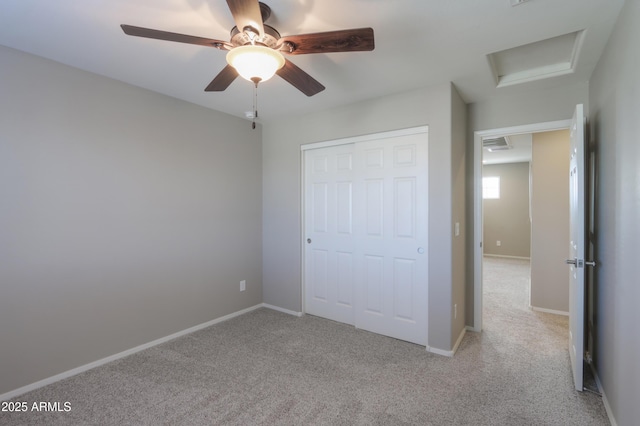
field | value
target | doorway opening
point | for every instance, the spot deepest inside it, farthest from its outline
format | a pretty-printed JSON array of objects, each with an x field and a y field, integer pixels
[
  {"x": 506, "y": 195},
  {"x": 478, "y": 238}
]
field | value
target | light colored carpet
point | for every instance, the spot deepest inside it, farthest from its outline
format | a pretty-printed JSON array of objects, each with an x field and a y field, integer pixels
[{"x": 266, "y": 367}]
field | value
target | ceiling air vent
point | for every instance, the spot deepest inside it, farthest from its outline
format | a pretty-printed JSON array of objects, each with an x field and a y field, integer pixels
[{"x": 496, "y": 144}]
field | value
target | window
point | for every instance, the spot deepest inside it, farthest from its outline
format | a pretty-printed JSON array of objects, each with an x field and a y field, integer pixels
[{"x": 491, "y": 188}]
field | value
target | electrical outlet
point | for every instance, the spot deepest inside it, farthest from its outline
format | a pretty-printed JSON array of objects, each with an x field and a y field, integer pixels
[
  {"x": 243, "y": 285},
  {"x": 498, "y": 243}
]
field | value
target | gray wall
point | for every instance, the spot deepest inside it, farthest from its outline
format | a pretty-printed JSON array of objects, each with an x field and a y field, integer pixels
[
  {"x": 507, "y": 218},
  {"x": 282, "y": 191},
  {"x": 615, "y": 126},
  {"x": 458, "y": 170},
  {"x": 125, "y": 216},
  {"x": 506, "y": 111},
  {"x": 540, "y": 106},
  {"x": 550, "y": 220}
]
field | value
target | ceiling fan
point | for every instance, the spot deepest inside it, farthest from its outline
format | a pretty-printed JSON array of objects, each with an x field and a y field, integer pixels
[{"x": 253, "y": 42}]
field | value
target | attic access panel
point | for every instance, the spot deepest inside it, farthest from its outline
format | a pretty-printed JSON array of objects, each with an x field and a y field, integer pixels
[{"x": 535, "y": 61}]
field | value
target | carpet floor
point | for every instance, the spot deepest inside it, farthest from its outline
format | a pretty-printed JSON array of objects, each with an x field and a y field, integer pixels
[{"x": 267, "y": 368}]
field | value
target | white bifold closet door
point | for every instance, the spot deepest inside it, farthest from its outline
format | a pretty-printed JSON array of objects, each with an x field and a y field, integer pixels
[{"x": 366, "y": 234}]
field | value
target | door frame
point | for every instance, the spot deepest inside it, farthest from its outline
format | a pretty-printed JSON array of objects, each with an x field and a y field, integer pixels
[{"x": 477, "y": 200}]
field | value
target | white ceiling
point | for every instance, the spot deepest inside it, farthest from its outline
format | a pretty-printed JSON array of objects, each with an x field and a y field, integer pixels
[{"x": 418, "y": 43}]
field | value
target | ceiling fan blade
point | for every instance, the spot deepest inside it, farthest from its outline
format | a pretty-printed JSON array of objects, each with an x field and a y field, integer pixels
[
  {"x": 247, "y": 13},
  {"x": 299, "y": 79},
  {"x": 354, "y": 40},
  {"x": 222, "y": 80},
  {"x": 180, "y": 38}
]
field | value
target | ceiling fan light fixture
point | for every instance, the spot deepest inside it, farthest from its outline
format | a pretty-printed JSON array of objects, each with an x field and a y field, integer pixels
[{"x": 255, "y": 62}]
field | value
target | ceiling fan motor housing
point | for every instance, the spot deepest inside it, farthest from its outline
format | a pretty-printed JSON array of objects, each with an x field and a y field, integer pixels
[
  {"x": 250, "y": 35},
  {"x": 269, "y": 38},
  {"x": 265, "y": 11}
]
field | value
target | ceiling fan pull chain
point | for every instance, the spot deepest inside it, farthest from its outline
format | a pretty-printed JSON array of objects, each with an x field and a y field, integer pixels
[{"x": 255, "y": 104}]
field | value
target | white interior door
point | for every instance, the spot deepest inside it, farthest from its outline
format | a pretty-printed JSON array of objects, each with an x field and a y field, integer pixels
[
  {"x": 330, "y": 243},
  {"x": 391, "y": 289},
  {"x": 366, "y": 234},
  {"x": 576, "y": 247}
]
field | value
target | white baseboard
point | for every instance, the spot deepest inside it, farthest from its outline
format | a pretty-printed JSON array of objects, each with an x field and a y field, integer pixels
[
  {"x": 460, "y": 337},
  {"x": 279, "y": 309},
  {"x": 505, "y": 256},
  {"x": 549, "y": 311},
  {"x": 452, "y": 352},
  {"x": 605, "y": 401},
  {"x": 439, "y": 351},
  {"x": 66, "y": 374}
]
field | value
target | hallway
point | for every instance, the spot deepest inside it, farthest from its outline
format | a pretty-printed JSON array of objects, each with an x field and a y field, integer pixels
[{"x": 531, "y": 346}]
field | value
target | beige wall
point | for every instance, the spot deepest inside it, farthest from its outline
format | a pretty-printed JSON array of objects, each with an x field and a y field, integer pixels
[
  {"x": 126, "y": 216},
  {"x": 507, "y": 218},
  {"x": 550, "y": 221}
]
